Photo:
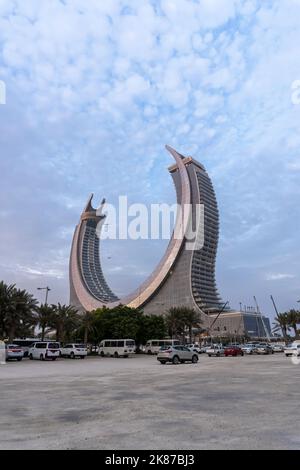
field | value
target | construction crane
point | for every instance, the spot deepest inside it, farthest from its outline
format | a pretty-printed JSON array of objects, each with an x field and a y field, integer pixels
[
  {"x": 262, "y": 320},
  {"x": 275, "y": 308},
  {"x": 209, "y": 329}
]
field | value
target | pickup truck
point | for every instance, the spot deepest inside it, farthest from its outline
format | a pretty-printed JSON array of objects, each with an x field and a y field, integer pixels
[{"x": 216, "y": 351}]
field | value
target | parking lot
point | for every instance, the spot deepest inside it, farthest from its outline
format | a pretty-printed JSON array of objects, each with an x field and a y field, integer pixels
[{"x": 220, "y": 403}]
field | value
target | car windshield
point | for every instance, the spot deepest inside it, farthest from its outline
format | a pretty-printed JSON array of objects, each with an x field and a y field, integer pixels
[
  {"x": 80, "y": 346},
  {"x": 53, "y": 346}
]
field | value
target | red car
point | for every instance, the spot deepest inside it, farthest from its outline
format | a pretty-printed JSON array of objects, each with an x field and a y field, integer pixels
[{"x": 233, "y": 351}]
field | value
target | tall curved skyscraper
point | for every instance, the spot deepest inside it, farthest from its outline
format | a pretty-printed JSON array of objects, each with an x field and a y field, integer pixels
[{"x": 186, "y": 273}]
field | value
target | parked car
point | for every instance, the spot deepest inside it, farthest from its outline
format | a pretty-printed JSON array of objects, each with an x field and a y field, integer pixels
[
  {"x": 264, "y": 349},
  {"x": 13, "y": 352},
  {"x": 277, "y": 348},
  {"x": 292, "y": 350},
  {"x": 248, "y": 348},
  {"x": 73, "y": 350},
  {"x": 25, "y": 344},
  {"x": 216, "y": 350},
  {"x": 176, "y": 355},
  {"x": 153, "y": 345},
  {"x": 204, "y": 349},
  {"x": 195, "y": 348},
  {"x": 44, "y": 350},
  {"x": 233, "y": 351}
]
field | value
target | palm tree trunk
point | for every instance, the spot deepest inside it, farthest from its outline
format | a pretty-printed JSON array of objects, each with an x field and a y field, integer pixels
[
  {"x": 11, "y": 335},
  {"x": 85, "y": 335}
]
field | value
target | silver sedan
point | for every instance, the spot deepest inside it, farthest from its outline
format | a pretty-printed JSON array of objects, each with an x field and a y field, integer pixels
[
  {"x": 176, "y": 355},
  {"x": 14, "y": 351}
]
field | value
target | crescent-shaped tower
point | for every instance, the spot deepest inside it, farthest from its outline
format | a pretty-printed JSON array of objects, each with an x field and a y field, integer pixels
[{"x": 186, "y": 273}]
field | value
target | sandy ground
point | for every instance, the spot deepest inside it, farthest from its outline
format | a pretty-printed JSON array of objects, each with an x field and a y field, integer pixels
[{"x": 136, "y": 403}]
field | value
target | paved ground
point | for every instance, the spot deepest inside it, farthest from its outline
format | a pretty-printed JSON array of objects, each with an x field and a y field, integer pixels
[{"x": 225, "y": 403}]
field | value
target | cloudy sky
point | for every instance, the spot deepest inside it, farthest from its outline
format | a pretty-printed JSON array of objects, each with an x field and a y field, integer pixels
[{"x": 94, "y": 90}]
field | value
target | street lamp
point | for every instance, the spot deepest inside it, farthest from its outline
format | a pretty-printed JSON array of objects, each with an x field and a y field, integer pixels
[{"x": 47, "y": 289}]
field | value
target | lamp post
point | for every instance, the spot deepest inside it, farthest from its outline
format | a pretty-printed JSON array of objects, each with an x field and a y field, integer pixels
[{"x": 47, "y": 289}]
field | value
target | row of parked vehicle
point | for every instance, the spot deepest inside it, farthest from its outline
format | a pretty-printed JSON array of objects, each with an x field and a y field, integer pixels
[
  {"x": 190, "y": 353},
  {"x": 166, "y": 350},
  {"x": 45, "y": 350},
  {"x": 249, "y": 349}
]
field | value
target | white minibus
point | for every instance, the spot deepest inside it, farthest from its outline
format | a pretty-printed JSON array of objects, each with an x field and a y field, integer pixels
[
  {"x": 154, "y": 345},
  {"x": 117, "y": 347}
]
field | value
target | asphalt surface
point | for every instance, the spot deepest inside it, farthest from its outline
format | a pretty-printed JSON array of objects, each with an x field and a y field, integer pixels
[{"x": 136, "y": 403}]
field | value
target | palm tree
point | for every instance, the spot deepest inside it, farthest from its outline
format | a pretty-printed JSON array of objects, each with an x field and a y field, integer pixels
[
  {"x": 45, "y": 318},
  {"x": 293, "y": 317},
  {"x": 192, "y": 319},
  {"x": 65, "y": 321},
  {"x": 87, "y": 322},
  {"x": 282, "y": 324},
  {"x": 6, "y": 294},
  {"x": 19, "y": 318},
  {"x": 174, "y": 322},
  {"x": 178, "y": 319}
]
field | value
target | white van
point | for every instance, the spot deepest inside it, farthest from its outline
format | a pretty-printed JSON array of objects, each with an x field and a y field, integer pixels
[
  {"x": 154, "y": 345},
  {"x": 44, "y": 350},
  {"x": 117, "y": 347}
]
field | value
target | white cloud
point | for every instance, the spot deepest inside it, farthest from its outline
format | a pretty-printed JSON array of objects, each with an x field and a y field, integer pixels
[
  {"x": 279, "y": 277},
  {"x": 94, "y": 90}
]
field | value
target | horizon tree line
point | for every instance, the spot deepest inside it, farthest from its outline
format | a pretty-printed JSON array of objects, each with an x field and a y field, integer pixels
[{"x": 21, "y": 315}]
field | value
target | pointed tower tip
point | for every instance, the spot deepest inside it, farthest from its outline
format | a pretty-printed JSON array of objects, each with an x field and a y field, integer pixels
[
  {"x": 174, "y": 152},
  {"x": 89, "y": 207}
]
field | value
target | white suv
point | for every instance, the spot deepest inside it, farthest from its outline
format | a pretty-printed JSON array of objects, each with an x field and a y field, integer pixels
[
  {"x": 44, "y": 350},
  {"x": 292, "y": 350},
  {"x": 73, "y": 350}
]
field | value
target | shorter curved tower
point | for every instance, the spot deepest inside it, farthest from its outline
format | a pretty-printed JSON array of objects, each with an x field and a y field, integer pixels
[{"x": 85, "y": 265}]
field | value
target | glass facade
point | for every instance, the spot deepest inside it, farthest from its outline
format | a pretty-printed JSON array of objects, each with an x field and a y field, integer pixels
[
  {"x": 203, "y": 266},
  {"x": 90, "y": 264},
  {"x": 256, "y": 326}
]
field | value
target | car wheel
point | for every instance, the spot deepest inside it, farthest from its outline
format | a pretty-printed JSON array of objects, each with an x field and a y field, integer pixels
[
  {"x": 218, "y": 354},
  {"x": 209, "y": 355},
  {"x": 195, "y": 359},
  {"x": 72, "y": 355},
  {"x": 30, "y": 357},
  {"x": 42, "y": 357},
  {"x": 116, "y": 355},
  {"x": 53, "y": 358},
  {"x": 149, "y": 353},
  {"x": 102, "y": 354},
  {"x": 19, "y": 359},
  {"x": 82, "y": 357},
  {"x": 162, "y": 362},
  {"x": 175, "y": 360}
]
